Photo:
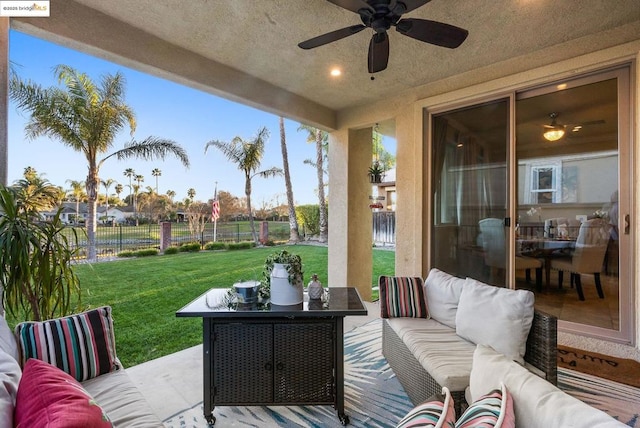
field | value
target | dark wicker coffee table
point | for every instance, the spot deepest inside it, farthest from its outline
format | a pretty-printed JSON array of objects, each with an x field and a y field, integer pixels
[{"x": 261, "y": 354}]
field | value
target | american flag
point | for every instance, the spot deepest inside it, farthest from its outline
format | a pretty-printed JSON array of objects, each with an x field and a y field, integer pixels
[{"x": 215, "y": 210}]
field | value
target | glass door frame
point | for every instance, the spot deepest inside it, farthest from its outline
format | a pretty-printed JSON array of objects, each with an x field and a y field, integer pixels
[{"x": 623, "y": 73}]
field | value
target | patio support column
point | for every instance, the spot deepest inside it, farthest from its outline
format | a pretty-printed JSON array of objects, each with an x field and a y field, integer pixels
[
  {"x": 411, "y": 203},
  {"x": 4, "y": 99},
  {"x": 350, "y": 221}
]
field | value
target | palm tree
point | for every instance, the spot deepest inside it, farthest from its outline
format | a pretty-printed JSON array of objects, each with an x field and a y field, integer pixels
[
  {"x": 294, "y": 236},
  {"x": 107, "y": 184},
  {"x": 321, "y": 140},
  {"x": 191, "y": 193},
  {"x": 119, "y": 188},
  {"x": 156, "y": 172},
  {"x": 171, "y": 194},
  {"x": 77, "y": 190},
  {"x": 34, "y": 193},
  {"x": 87, "y": 118},
  {"x": 248, "y": 156},
  {"x": 139, "y": 179},
  {"x": 130, "y": 173}
]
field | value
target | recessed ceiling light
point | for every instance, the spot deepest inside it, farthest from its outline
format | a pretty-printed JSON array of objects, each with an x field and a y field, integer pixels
[{"x": 335, "y": 72}]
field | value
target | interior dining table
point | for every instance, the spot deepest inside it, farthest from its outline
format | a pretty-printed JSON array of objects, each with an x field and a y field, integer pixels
[{"x": 545, "y": 248}]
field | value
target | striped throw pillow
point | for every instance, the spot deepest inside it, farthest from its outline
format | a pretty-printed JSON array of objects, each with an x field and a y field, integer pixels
[
  {"x": 81, "y": 345},
  {"x": 493, "y": 410},
  {"x": 436, "y": 412},
  {"x": 402, "y": 296}
]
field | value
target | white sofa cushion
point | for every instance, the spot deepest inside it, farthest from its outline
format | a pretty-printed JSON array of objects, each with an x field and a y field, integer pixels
[
  {"x": 445, "y": 355},
  {"x": 443, "y": 294},
  {"x": 497, "y": 317},
  {"x": 10, "y": 375},
  {"x": 121, "y": 400},
  {"x": 537, "y": 403}
]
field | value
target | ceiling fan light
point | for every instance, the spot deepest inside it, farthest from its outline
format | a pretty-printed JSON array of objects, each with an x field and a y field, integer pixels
[{"x": 553, "y": 134}]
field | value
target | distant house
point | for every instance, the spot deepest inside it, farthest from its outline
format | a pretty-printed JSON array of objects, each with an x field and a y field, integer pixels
[{"x": 68, "y": 215}]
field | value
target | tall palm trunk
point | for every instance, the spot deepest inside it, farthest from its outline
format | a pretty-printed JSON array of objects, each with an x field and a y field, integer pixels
[
  {"x": 321, "y": 197},
  {"x": 294, "y": 236},
  {"x": 247, "y": 192},
  {"x": 92, "y": 202}
]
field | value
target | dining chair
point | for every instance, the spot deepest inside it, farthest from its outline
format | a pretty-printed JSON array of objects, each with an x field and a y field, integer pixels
[
  {"x": 588, "y": 255},
  {"x": 492, "y": 240}
]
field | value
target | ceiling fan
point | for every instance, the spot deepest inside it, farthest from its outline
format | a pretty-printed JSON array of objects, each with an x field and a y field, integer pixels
[
  {"x": 556, "y": 131},
  {"x": 381, "y": 15}
]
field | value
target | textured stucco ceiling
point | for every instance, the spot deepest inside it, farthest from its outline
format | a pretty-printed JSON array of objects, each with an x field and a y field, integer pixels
[{"x": 254, "y": 43}]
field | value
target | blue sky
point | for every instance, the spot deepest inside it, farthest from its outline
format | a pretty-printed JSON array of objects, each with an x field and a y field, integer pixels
[{"x": 163, "y": 109}]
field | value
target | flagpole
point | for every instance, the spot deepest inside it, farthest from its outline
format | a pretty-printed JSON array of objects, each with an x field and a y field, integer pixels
[{"x": 215, "y": 218}]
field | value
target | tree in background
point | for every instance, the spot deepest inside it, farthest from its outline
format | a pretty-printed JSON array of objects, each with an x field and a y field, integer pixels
[
  {"x": 380, "y": 154},
  {"x": 230, "y": 206},
  {"x": 247, "y": 155},
  {"x": 156, "y": 172},
  {"x": 294, "y": 236},
  {"x": 197, "y": 215},
  {"x": 119, "y": 188},
  {"x": 87, "y": 118},
  {"x": 107, "y": 184},
  {"x": 130, "y": 173},
  {"x": 36, "y": 193},
  {"x": 321, "y": 140},
  {"x": 191, "y": 193},
  {"x": 78, "y": 194}
]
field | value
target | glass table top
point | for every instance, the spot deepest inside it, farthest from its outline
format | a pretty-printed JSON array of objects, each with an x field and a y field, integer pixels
[{"x": 219, "y": 303}]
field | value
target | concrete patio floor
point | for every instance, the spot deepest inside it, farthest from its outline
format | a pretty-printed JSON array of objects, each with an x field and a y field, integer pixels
[{"x": 174, "y": 382}]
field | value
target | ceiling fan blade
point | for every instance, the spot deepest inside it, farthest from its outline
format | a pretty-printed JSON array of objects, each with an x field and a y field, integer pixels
[
  {"x": 378, "y": 52},
  {"x": 331, "y": 37},
  {"x": 410, "y": 5},
  {"x": 436, "y": 33},
  {"x": 352, "y": 5}
]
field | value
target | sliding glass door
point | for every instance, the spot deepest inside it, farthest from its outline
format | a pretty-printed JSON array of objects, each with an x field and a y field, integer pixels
[
  {"x": 469, "y": 192},
  {"x": 545, "y": 207},
  {"x": 573, "y": 181}
]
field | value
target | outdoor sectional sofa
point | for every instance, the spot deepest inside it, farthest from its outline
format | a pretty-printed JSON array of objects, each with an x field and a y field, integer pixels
[
  {"x": 435, "y": 349},
  {"x": 474, "y": 344},
  {"x": 65, "y": 372}
]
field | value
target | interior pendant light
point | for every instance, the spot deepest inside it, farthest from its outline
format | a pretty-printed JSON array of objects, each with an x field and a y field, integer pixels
[{"x": 554, "y": 131}]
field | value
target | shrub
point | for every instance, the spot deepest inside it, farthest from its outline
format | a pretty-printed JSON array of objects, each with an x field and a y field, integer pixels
[
  {"x": 171, "y": 250},
  {"x": 146, "y": 253},
  {"x": 126, "y": 253},
  {"x": 192, "y": 247},
  {"x": 215, "y": 246},
  {"x": 240, "y": 245},
  {"x": 309, "y": 218}
]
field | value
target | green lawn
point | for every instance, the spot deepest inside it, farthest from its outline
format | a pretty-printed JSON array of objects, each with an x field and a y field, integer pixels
[{"x": 146, "y": 292}]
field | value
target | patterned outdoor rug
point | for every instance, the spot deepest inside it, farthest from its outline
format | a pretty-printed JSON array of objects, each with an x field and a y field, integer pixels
[{"x": 375, "y": 398}]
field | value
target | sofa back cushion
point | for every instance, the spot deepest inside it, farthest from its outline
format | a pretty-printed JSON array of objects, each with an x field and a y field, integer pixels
[
  {"x": 497, "y": 317},
  {"x": 537, "y": 403},
  {"x": 443, "y": 295},
  {"x": 402, "y": 296},
  {"x": 81, "y": 345}
]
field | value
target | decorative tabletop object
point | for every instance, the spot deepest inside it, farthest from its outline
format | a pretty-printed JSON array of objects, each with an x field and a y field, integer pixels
[
  {"x": 282, "y": 279},
  {"x": 314, "y": 289}
]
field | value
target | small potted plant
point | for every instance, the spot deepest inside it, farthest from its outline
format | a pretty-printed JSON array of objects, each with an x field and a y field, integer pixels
[
  {"x": 376, "y": 172},
  {"x": 282, "y": 279}
]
